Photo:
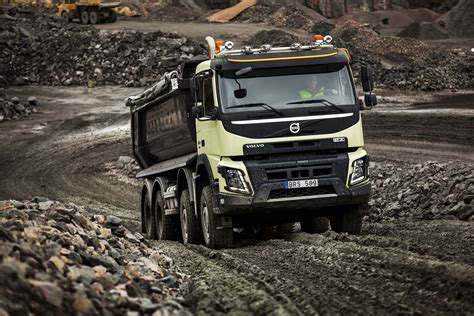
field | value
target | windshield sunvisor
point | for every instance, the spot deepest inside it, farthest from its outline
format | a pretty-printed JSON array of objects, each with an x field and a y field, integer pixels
[{"x": 276, "y": 60}]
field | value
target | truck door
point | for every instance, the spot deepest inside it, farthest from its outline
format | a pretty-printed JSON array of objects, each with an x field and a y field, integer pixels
[{"x": 207, "y": 124}]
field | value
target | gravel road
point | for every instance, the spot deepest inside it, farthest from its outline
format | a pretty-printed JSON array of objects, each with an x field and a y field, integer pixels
[{"x": 393, "y": 267}]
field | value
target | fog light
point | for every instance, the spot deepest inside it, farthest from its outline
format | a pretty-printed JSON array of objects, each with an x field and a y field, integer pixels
[{"x": 359, "y": 170}]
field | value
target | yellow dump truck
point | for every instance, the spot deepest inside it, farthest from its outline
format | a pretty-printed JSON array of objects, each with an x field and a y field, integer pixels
[
  {"x": 88, "y": 11},
  {"x": 253, "y": 138}
]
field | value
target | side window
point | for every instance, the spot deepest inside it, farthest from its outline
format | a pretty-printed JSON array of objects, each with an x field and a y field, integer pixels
[{"x": 208, "y": 96}]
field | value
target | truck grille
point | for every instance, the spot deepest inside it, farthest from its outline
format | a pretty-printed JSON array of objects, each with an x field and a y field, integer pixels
[
  {"x": 299, "y": 173},
  {"x": 301, "y": 192}
]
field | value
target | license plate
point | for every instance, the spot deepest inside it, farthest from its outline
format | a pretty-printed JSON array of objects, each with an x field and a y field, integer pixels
[{"x": 301, "y": 184}]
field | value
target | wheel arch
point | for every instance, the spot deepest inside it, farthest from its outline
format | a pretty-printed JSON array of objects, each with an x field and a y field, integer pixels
[
  {"x": 185, "y": 180},
  {"x": 203, "y": 177}
]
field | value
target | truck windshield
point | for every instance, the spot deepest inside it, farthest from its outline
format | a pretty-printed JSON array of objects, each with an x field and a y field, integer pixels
[{"x": 288, "y": 88}]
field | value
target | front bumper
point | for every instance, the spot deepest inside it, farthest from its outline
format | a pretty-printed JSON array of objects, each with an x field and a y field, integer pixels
[{"x": 273, "y": 198}]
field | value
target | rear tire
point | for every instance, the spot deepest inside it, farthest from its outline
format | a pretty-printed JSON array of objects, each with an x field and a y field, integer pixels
[
  {"x": 166, "y": 226},
  {"x": 94, "y": 17},
  {"x": 315, "y": 225},
  {"x": 84, "y": 17},
  {"x": 266, "y": 232},
  {"x": 215, "y": 237},
  {"x": 65, "y": 16},
  {"x": 149, "y": 218},
  {"x": 349, "y": 220},
  {"x": 190, "y": 228}
]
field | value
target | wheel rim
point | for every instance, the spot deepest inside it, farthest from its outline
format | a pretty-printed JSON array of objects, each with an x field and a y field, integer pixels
[
  {"x": 205, "y": 222},
  {"x": 184, "y": 224}
]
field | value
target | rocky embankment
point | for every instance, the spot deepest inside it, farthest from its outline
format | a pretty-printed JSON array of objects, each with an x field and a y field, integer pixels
[
  {"x": 57, "y": 259},
  {"x": 429, "y": 190},
  {"x": 44, "y": 50}
]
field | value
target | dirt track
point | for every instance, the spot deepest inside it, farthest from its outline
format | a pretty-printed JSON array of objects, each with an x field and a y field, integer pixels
[{"x": 399, "y": 267}]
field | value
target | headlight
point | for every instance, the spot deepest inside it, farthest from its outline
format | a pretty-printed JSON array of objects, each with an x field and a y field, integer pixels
[
  {"x": 234, "y": 179},
  {"x": 359, "y": 170}
]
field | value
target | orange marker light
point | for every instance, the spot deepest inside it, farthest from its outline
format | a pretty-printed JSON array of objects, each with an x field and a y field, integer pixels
[
  {"x": 219, "y": 44},
  {"x": 318, "y": 37}
]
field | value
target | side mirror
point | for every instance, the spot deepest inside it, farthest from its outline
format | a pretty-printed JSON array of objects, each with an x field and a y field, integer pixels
[
  {"x": 370, "y": 100},
  {"x": 240, "y": 93},
  {"x": 196, "y": 112},
  {"x": 367, "y": 78},
  {"x": 197, "y": 89}
]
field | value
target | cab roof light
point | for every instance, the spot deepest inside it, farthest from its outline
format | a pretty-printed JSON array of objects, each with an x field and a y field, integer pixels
[
  {"x": 318, "y": 38},
  {"x": 219, "y": 46}
]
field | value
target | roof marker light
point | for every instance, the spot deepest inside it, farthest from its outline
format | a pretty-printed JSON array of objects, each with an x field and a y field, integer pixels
[
  {"x": 295, "y": 46},
  {"x": 328, "y": 39},
  {"x": 228, "y": 45},
  {"x": 247, "y": 50},
  {"x": 318, "y": 38},
  {"x": 219, "y": 45}
]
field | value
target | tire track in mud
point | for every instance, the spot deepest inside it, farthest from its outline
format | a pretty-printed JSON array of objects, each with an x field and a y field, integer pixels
[
  {"x": 67, "y": 163},
  {"x": 328, "y": 274},
  {"x": 222, "y": 283},
  {"x": 346, "y": 277}
]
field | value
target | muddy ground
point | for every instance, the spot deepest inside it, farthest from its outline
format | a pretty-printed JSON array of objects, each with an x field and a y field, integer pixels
[{"x": 395, "y": 267}]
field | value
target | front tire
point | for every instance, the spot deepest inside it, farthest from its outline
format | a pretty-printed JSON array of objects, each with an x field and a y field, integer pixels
[
  {"x": 190, "y": 229},
  {"x": 65, "y": 16},
  {"x": 215, "y": 237},
  {"x": 349, "y": 220},
  {"x": 315, "y": 225}
]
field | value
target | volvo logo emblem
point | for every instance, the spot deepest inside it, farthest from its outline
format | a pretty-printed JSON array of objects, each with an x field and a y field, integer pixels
[{"x": 295, "y": 128}]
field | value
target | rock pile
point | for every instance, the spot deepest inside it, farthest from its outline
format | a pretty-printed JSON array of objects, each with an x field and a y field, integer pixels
[
  {"x": 13, "y": 108},
  {"x": 293, "y": 16},
  {"x": 397, "y": 62},
  {"x": 406, "y": 64},
  {"x": 56, "y": 260},
  {"x": 273, "y": 37},
  {"x": 430, "y": 190},
  {"x": 127, "y": 165},
  {"x": 43, "y": 50}
]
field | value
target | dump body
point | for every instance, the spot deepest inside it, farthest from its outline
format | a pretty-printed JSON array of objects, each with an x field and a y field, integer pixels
[{"x": 162, "y": 127}]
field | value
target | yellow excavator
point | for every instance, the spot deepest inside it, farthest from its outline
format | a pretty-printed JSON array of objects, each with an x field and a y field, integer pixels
[{"x": 88, "y": 11}]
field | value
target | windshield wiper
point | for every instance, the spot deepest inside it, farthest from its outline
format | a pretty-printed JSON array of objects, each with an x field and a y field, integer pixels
[
  {"x": 264, "y": 105},
  {"x": 322, "y": 101}
]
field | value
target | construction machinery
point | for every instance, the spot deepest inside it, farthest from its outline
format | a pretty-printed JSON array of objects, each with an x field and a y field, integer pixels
[
  {"x": 253, "y": 138},
  {"x": 88, "y": 11}
]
